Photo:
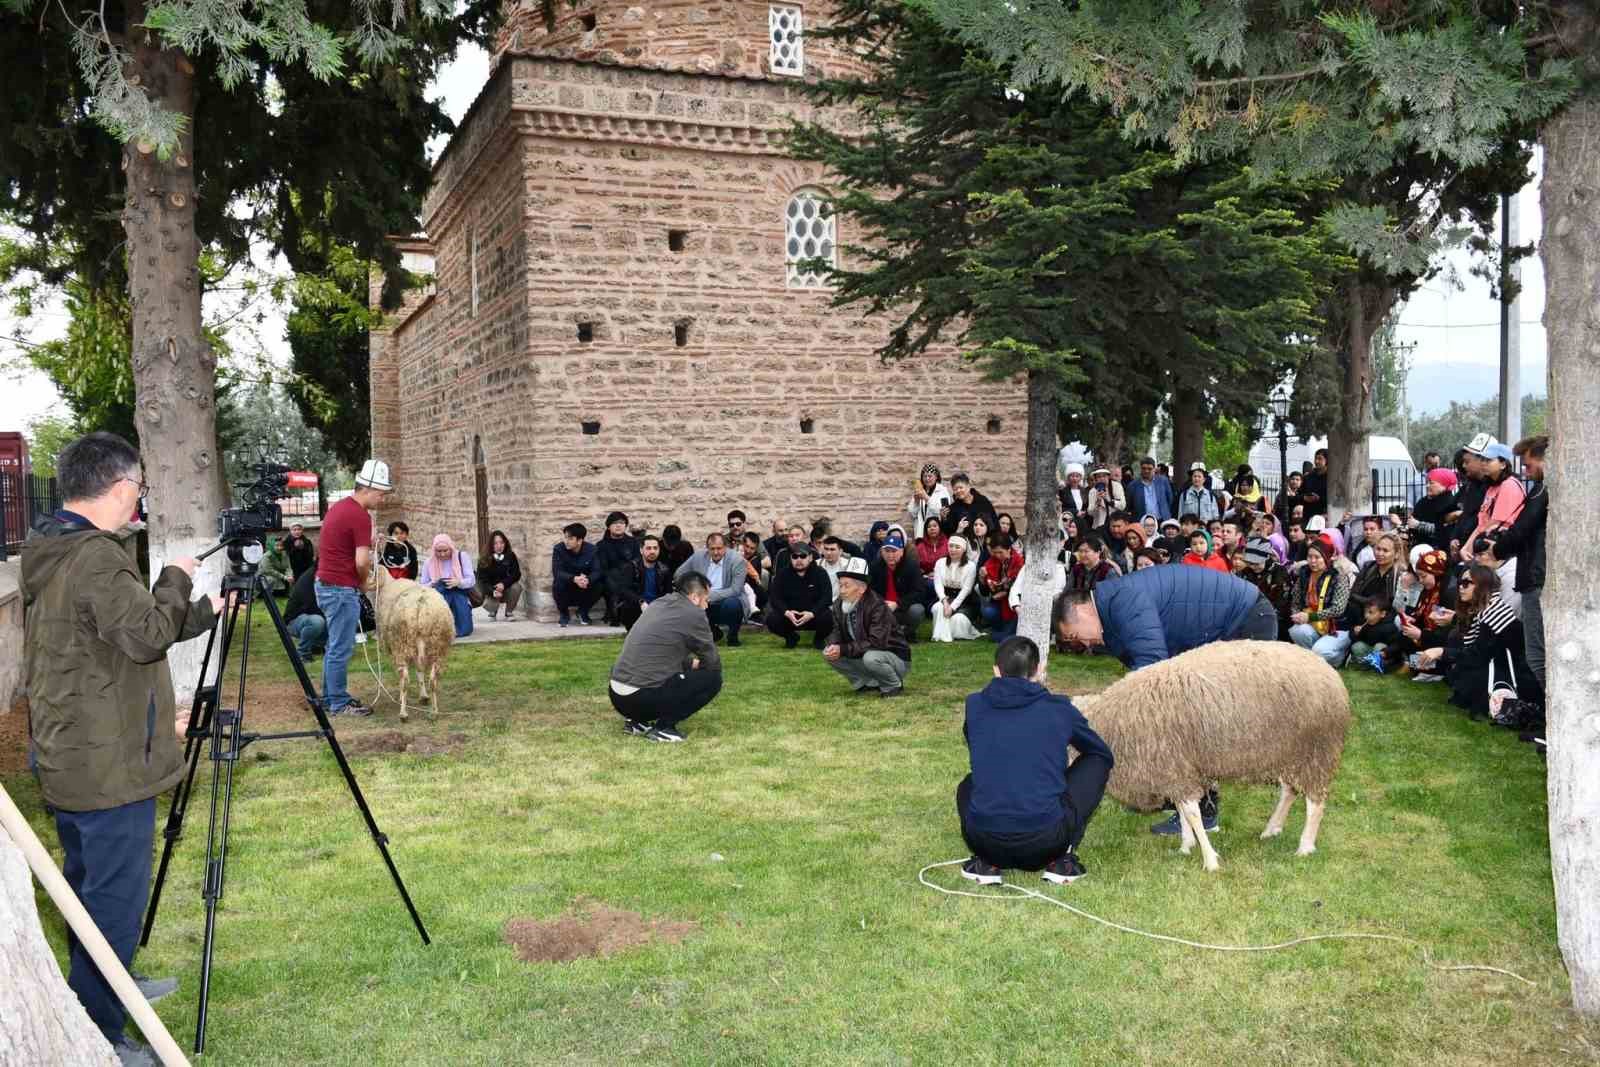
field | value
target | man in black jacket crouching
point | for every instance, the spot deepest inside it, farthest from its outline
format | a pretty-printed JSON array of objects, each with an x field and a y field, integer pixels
[{"x": 800, "y": 598}]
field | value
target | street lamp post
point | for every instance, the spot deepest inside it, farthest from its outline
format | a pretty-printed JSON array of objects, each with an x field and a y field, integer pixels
[{"x": 1280, "y": 412}]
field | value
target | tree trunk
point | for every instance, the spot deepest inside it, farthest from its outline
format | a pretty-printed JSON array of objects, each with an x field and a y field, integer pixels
[
  {"x": 1112, "y": 448},
  {"x": 1571, "y": 252},
  {"x": 174, "y": 369},
  {"x": 1366, "y": 305},
  {"x": 41, "y": 1020},
  {"x": 1188, "y": 434},
  {"x": 1041, "y": 540}
]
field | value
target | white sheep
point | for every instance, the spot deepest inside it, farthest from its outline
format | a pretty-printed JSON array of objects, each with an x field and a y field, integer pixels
[
  {"x": 416, "y": 629},
  {"x": 1232, "y": 711}
]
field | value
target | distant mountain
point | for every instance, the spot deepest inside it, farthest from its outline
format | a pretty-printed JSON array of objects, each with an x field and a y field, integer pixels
[{"x": 1432, "y": 386}]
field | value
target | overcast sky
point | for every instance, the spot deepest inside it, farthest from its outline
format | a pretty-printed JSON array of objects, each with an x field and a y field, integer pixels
[{"x": 1456, "y": 330}]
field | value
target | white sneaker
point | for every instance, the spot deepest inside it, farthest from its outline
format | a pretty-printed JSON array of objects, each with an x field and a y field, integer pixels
[{"x": 361, "y": 638}]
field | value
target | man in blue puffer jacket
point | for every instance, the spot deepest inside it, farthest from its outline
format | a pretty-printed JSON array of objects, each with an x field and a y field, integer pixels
[
  {"x": 1022, "y": 806},
  {"x": 1159, "y": 612}
]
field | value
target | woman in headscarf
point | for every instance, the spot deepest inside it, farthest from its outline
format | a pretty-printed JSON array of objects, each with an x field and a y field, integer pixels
[
  {"x": 1133, "y": 542},
  {"x": 874, "y": 541},
  {"x": 1246, "y": 488},
  {"x": 448, "y": 572},
  {"x": 929, "y": 498},
  {"x": 1426, "y": 624},
  {"x": 1317, "y": 604},
  {"x": 954, "y": 578}
]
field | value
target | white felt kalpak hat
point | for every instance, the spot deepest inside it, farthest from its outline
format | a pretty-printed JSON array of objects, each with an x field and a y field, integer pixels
[
  {"x": 375, "y": 475},
  {"x": 854, "y": 567}
]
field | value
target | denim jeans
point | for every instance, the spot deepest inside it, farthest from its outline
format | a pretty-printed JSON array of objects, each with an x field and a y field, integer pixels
[
  {"x": 341, "y": 607},
  {"x": 1333, "y": 648},
  {"x": 310, "y": 633},
  {"x": 1000, "y": 629},
  {"x": 107, "y": 863}
]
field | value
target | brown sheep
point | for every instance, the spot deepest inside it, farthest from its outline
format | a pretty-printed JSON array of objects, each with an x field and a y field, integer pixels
[
  {"x": 416, "y": 629},
  {"x": 1241, "y": 711}
]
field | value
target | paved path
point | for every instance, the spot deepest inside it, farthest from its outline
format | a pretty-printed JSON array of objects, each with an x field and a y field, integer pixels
[{"x": 486, "y": 632}]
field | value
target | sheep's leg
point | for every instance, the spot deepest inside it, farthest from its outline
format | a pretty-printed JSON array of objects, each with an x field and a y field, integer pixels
[
  {"x": 405, "y": 679},
  {"x": 1183, "y": 828},
  {"x": 423, "y": 669},
  {"x": 1280, "y": 813},
  {"x": 433, "y": 687},
  {"x": 1308, "y": 836},
  {"x": 1189, "y": 812}
]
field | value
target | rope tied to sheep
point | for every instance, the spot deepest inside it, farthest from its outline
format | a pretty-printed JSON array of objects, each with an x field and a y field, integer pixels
[{"x": 1023, "y": 893}]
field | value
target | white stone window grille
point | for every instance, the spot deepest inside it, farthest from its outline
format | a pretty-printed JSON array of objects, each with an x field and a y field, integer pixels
[
  {"x": 809, "y": 233},
  {"x": 788, "y": 50},
  {"x": 472, "y": 260}
]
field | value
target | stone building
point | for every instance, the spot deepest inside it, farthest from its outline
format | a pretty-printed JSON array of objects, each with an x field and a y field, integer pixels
[{"x": 616, "y": 318}]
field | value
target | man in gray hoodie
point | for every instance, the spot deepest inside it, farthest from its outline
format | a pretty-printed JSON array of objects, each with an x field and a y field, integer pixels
[{"x": 669, "y": 668}]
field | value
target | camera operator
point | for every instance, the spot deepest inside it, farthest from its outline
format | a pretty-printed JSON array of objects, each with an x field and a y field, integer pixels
[
  {"x": 342, "y": 569},
  {"x": 101, "y": 702}
]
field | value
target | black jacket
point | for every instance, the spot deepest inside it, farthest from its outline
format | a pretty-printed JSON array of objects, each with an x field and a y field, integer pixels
[
  {"x": 909, "y": 584},
  {"x": 302, "y": 597},
  {"x": 611, "y": 552},
  {"x": 493, "y": 572},
  {"x": 397, "y": 554},
  {"x": 1314, "y": 484},
  {"x": 1429, "y": 511},
  {"x": 1469, "y": 500},
  {"x": 792, "y": 591},
  {"x": 302, "y": 554},
  {"x": 626, "y": 581},
  {"x": 958, "y": 511},
  {"x": 1524, "y": 540}
]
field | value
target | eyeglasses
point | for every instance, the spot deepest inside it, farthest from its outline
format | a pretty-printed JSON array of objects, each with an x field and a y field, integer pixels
[{"x": 144, "y": 489}]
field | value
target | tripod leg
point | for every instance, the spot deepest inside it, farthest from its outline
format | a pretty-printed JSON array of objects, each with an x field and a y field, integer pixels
[
  {"x": 317, "y": 709},
  {"x": 199, "y": 727}
]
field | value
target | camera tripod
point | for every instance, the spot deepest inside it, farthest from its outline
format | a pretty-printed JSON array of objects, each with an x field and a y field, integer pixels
[{"x": 223, "y": 728}]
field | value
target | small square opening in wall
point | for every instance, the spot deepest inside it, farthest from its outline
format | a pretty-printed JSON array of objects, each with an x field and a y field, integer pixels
[
  {"x": 591, "y": 427},
  {"x": 676, "y": 239},
  {"x": 588, "y": 22},
  {"x": 807, "y": 425},
  {"x": 680, "y": 334},
  {"x": 993, "y": 425},
  {"x": 586, "y": 332}
]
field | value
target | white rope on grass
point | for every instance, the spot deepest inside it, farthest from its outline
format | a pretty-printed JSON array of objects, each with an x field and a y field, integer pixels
[{"x": 1427, "y": 956}]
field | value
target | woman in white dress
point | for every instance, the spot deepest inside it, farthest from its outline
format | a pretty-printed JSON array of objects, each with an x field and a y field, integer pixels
[
  {"x": 953, "y": 579},
  {"x": 929, "y": 499}
]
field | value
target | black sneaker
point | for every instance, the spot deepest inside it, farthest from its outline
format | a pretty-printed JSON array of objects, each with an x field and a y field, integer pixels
[
  {"x": 663, "y": 733},
  {"x": 819, "y": 642},
  {"x": 1064, "y": 870},
  {"x": 792, "y": 641},
  {"x": 733, "y": 638},
  {"x": 716, "y": 633},
  {"x": 896, "y": 691},
  {"x": 981, "y": 871},
  {"x": 868, "y": 691},
  {"x": 635, "y": 727}
]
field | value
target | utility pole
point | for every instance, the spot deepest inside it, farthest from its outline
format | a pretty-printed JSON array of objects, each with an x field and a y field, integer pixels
[{"x": 1510, "y": 422}]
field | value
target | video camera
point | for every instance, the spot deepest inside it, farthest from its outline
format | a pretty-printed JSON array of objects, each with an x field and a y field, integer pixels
[{"x": 260, "y": 512}]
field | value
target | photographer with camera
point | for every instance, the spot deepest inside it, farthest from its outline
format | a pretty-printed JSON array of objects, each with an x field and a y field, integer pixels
[
  {"x": 342, "y": 570},
  {"x": 101, "y": 707}
]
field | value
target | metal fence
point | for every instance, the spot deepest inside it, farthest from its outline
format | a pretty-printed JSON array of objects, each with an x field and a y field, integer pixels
[
  {"x": 1390, "y": 488},
  {"x": 21, "y": 498}
]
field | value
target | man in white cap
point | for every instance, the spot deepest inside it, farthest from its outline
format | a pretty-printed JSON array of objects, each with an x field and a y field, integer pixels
[
  {"x": 342, "y": 569},
  {"x": 868, "y": 645}
]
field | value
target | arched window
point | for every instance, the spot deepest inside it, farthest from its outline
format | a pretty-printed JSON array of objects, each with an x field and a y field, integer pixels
[{"x": 809, "y": 233}]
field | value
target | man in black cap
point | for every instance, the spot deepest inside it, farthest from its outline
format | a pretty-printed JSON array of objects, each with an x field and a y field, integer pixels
[
  {"x": 617, "y": 548},
  {"x": 798, "y": 599}
]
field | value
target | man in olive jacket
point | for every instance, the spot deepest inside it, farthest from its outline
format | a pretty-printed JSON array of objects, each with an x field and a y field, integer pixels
[{"x": 100, "y": 697}]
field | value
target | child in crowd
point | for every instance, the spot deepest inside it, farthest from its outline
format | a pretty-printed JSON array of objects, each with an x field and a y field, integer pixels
[{"x": 1377, "y": 630}]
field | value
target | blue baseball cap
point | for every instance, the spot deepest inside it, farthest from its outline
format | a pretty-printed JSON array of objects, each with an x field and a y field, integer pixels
[
  {"x": 894, "y": 540},
  {"x": 1498, "y": 451}
]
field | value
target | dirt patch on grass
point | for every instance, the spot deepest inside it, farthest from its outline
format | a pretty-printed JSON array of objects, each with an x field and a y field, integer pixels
[
  {"x": 14, "y": 737},
  {"x": 590, "y": 930},
  {"x": 383, "y": 742}
]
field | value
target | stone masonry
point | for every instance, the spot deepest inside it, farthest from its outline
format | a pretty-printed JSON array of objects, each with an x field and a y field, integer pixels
[{"x": 610, "y": 322}]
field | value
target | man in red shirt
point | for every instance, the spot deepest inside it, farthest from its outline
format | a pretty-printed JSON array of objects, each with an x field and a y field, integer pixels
[{"x": 342, "y": 568}]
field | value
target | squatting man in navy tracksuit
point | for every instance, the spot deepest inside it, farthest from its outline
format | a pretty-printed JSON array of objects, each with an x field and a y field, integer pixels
[{"x": 1023, "y": 806}]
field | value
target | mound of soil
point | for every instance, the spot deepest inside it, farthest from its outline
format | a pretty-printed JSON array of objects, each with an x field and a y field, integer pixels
[
  {"x": 14, "y": 737},
  {"x": 590, "y": 930},
  {"x": 382, "y": 742}
]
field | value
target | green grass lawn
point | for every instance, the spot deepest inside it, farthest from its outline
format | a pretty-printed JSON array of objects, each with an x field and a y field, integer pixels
[{"x": 815, "y": 942}]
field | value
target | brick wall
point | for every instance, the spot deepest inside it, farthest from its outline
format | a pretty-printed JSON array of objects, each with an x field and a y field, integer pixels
[
  {"x": 572, "y": 196},
  {"x": 727, "y": 37}
]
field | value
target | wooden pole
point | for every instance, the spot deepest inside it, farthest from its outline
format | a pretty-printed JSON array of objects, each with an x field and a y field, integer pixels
[{"x": 88, "y": 934}]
